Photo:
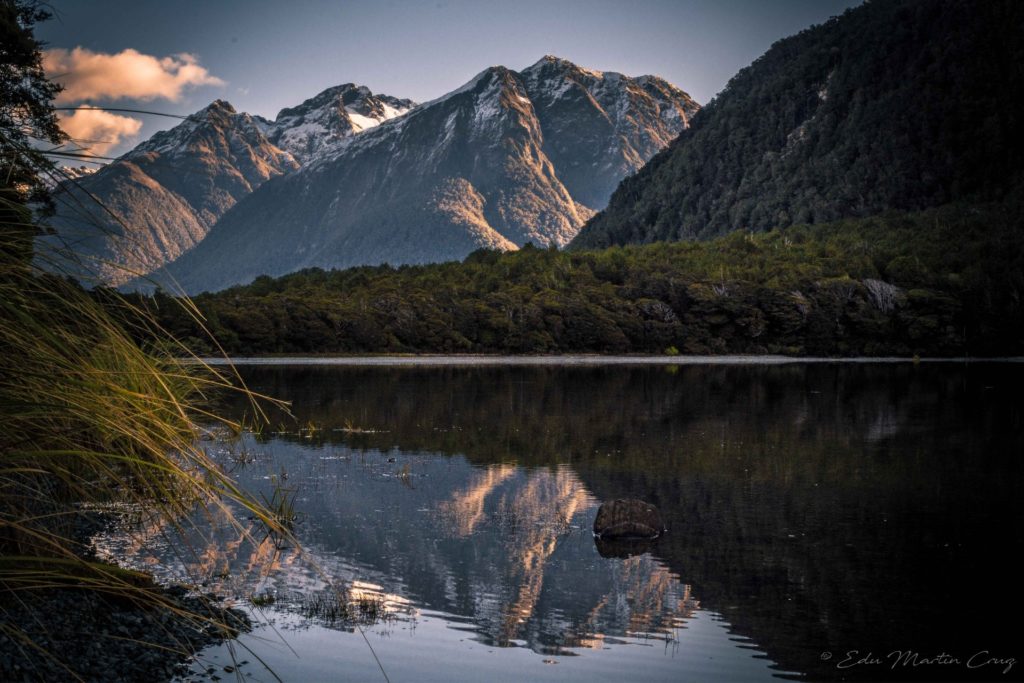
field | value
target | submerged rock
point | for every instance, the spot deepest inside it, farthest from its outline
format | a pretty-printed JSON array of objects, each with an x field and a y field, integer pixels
[
  {"x": 628, "y": 518},
  {"x": 623, "y": 548}
]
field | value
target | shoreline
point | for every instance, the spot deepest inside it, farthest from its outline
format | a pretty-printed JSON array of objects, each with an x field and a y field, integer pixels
[
  {"x": 467, "y": 360},
  {"x": 72, "y": 631},
  {"x": 76, "y": 632}
]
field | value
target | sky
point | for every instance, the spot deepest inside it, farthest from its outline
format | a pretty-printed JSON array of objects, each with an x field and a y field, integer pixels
[{"x": 177, "y": 56}]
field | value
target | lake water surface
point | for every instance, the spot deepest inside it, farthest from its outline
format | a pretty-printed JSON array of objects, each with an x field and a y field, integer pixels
[{"x": 819, "y": 514}]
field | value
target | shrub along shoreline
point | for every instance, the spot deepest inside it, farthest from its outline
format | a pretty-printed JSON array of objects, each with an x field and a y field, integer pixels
[{"x": 947, "y": 282}]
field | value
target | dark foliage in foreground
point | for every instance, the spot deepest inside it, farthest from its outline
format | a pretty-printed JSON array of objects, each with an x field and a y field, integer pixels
[{"x": 885, "y": 285}]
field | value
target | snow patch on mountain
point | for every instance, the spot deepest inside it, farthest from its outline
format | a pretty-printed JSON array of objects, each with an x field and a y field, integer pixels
[
  {"x": 360, "y": 122},
  {"x": 321, "y": 123}
]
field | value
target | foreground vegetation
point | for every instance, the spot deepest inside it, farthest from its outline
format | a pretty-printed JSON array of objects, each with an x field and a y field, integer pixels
[
  {"x": 93, "y": 424},
  {"x": 944, "y": 282}
]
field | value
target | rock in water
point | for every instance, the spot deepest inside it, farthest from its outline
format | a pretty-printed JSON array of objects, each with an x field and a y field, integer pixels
[
  {"x": 623, "y": 547},
  {"x": 628, "y": 518}
]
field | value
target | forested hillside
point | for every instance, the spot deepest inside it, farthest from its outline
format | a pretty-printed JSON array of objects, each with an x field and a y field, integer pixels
[
  {"x": 894, "y": 105},
  {"x": 878, "y": 286}
]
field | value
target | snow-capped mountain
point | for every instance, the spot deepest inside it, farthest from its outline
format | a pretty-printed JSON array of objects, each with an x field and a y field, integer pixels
[
  {"x": 508, "y": 158},
  {"x": 161, "y": 198},
  {"x": 334, "y": 114},
  {"x": 213, "y": 159}
]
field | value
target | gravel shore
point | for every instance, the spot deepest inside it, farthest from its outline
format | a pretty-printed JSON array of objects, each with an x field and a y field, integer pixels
[
  {"x": 66, "y": 634},
  {"x": 73, "y": 633}
]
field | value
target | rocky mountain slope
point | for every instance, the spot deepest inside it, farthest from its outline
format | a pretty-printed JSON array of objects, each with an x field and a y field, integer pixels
[
  {"x": 901, "y": 104},
  {"x": 601, "y": 127},
  {"x": 159, "y": 200},
  {"x": 506, "y": 159}
]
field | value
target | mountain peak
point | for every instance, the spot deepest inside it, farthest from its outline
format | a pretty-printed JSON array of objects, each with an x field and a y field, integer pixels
[
  {"x": 345, "y": 95},
  {"x": 472, "y": 85},
  {"x": 485, "y": 76},
  {"x": 334, "y": 94},
  {"x": 559, "y": 65},
  {"x": 337, "y": 113},
  {"x": 217, "y": 118},
  {"x": 551, "y": 59},
  {"x": 218, "y": 106}
]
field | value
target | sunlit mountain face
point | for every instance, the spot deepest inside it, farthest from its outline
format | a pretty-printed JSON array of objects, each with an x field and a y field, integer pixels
[{"x": 367, "y": 178}]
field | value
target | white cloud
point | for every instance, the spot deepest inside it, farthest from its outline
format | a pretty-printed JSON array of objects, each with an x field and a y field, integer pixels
[
  {"x": 97, "y": 130},
  {"x": 129, "y": 74}
]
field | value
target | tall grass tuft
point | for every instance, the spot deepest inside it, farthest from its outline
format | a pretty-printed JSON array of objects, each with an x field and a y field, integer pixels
[{"x": 88, "y": 420}]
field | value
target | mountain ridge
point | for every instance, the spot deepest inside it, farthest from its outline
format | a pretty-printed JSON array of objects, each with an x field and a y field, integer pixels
[
  {"x": 306, "y": 129},
  {"x": 468, "y": 170},
  {"x": 161, "y": 198}
]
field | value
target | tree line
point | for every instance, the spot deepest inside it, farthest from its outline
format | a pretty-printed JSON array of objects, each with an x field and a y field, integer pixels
[{"x": 942, "y": 282}]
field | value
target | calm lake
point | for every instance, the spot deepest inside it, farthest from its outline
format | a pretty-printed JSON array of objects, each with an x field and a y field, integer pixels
[{"x": 826, "y": 521}]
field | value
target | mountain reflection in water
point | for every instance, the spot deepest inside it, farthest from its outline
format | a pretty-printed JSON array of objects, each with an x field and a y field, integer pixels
[{"x": 815, "y": 508}]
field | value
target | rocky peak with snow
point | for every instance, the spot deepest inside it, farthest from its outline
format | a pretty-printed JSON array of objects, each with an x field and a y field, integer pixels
[
  {"x": 357, "y": 178},
  {"x": 214, "y": 130},
  {"x": 224, "y": 147},
  {"x": 508, "y": 158},
  {"x": 336, "y": 113}
]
